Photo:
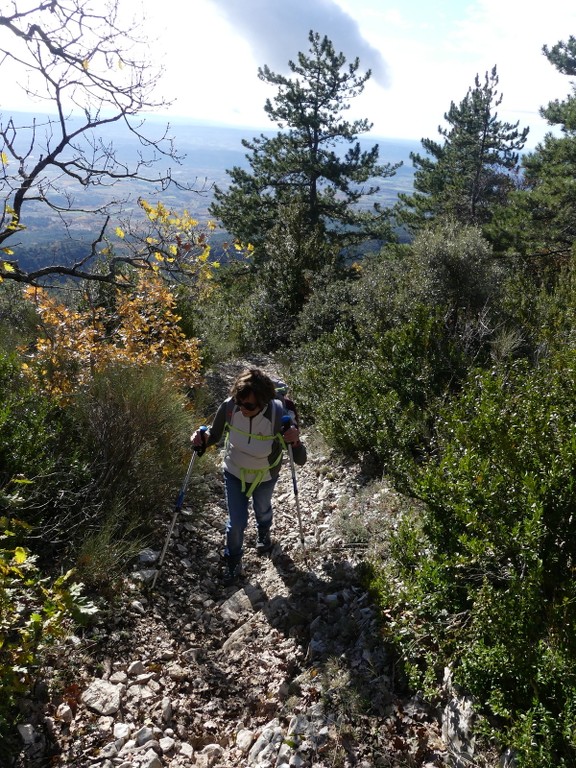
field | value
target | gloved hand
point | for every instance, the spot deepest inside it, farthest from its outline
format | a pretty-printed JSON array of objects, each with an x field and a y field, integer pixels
[
  {"x": 292, "y": 436},
  {"x": 198, "y": 438}
]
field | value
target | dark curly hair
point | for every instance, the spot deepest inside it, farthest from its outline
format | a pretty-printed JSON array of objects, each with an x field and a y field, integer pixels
[{"x": 256, "y": 381}]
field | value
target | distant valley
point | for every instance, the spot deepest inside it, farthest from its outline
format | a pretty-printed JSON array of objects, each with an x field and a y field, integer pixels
[{"x": 208, "y": 151}]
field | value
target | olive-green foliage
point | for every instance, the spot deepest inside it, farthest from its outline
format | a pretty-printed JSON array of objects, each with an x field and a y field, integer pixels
[
  {"x": 454, "y": 265},
  {"x": 375, "y": 396},
  {"x": 104, "y": 550},
  {"x": 486, "y": 585},
  {"x": 112, "y": 455},
  {"x": 135, "y": 426},
  {"x": 17, "y": 316},
  {"x": 222, "y": 323},
  {"x": 296, "y": 253},
  {"x": 417, "y": 318},
  {"x": 331, "y": 303}
]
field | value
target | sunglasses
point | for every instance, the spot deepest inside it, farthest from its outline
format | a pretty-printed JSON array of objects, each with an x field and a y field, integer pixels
[{"x": 246, "y": 406}]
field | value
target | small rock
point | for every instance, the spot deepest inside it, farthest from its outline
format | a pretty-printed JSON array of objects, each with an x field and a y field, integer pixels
[
  {"x": 244, "y": 740},
  {"x": 167, "y": 744},
  {"x": 64, "y": 713},
  {"x": 143, "y": 735},
  {"x": 136, "y": 668},
  {"x": 186, "y": 749},
  {"x": 27, "y": 733},
  {"x": 102, "y": 697}
]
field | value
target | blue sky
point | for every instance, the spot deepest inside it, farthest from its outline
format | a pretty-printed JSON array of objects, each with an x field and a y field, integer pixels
[{"x": 423, "y": 55}]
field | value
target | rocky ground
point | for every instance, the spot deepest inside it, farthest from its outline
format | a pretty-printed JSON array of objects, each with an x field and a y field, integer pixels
[{"x": 288, "y": 667}]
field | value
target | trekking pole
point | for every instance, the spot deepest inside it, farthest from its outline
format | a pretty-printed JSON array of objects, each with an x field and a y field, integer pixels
[
  {"x": 286, "y": 424},
  {"x": 197, "y": 451}
]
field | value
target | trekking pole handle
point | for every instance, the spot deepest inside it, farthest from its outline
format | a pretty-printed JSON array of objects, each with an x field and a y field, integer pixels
[
  {"x": 286, "y": 423},
  {"x": 200, "y": 449}
]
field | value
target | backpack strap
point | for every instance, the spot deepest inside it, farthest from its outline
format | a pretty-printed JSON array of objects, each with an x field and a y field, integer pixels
[{"x": 277, "y": 413}]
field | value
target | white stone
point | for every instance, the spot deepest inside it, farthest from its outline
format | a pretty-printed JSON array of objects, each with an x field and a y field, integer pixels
[
  {"x": 122, "y": 730},
  {"x": 102, "y": 697},
  {"x": 186, "y": 749},
  {"x": 136, "y": 668},
  {"x": 27, "y": 733},
  {"x": 167, "y": 744},
  {"x": 244, "y": 740},
  {"x": 143, "y": 735}
]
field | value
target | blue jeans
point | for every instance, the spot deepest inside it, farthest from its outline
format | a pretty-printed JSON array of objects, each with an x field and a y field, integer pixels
[{"x": 237, "y": 503}]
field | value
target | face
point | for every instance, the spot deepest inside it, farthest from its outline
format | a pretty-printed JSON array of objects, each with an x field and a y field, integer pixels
[{"x": 248, "y": 404}]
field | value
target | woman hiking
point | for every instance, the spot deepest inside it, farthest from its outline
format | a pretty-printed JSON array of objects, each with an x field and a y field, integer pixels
[{"x": 251, "y": 418}]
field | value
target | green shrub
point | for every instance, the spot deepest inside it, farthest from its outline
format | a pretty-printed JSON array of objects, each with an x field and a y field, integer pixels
[
  {"x": 112, "y": 456},
  {"x": 42, "y": 475},
  {"x": 485, "y": 582},
  {"x": 135, "y": 428},
  {"x": 105, "y": 550},
  {"x": 378, "y": 396}
]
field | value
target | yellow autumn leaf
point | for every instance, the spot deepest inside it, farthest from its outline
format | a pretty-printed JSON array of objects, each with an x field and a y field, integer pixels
[
  {"x": 7, "y": 267},
  {"x": 20, "y": 555},
  {"x": 158, "y": 256},
  {"x": 4, "y": 158},
  {"x": 85, "y": 64},
  {"x": 120, "y": 232},
  {"x": 7, "y": 251}
]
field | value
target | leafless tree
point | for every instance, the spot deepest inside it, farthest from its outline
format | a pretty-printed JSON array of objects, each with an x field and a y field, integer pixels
[{"x": 82, "y": 68}]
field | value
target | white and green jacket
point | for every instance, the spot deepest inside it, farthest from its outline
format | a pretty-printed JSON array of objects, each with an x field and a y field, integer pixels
[{"x": 254, "y": 444}]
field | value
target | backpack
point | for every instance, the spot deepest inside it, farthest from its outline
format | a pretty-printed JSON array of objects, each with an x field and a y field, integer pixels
[{"x": 289, "y": 405}]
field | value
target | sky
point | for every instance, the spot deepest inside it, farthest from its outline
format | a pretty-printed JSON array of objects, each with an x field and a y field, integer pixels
[{"x": 423, "y": 55}]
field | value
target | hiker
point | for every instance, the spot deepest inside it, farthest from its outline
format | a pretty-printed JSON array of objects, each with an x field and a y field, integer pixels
[{"x": 251, "y": 419}]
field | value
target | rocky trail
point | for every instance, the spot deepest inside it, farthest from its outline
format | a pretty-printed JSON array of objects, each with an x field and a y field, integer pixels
[{"x": 287, "y": 667}]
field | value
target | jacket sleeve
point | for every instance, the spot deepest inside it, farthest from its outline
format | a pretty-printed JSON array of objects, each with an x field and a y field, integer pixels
[{"x": 216, "y": 430}]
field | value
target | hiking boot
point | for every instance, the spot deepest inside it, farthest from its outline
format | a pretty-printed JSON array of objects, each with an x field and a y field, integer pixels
[
  {"x": 232, "y": 571},
  {"x": 264, "y": 544}
]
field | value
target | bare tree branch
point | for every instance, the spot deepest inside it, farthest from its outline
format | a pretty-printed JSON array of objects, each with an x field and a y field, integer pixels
[{"x": 86, "y": 70}]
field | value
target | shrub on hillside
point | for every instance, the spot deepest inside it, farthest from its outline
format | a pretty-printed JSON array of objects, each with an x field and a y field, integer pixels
[
  {"x": 135, "y": 428},
  {"x": 378, "y": 395},
  {"x": 485, "y": 582},
  {"x": 106, "y": 462}
]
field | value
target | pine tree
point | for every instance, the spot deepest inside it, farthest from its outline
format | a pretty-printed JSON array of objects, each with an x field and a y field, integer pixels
[
  {"x": 472, "y": 171},
  {"x": 539, "y": 225},
  {"x": 305, "y": 163}
]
